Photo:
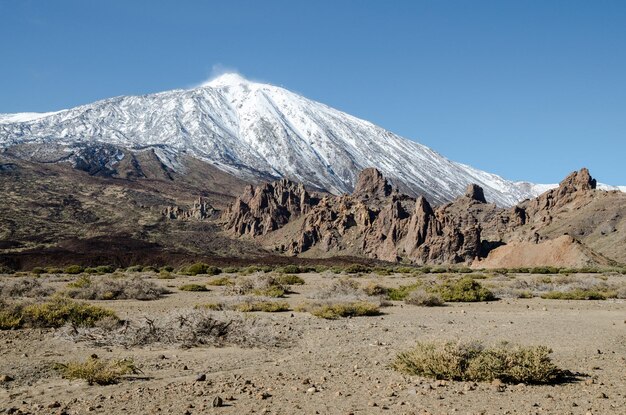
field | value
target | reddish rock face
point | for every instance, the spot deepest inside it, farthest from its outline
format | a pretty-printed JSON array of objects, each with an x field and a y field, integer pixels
[{"x": 267, "y": 208}]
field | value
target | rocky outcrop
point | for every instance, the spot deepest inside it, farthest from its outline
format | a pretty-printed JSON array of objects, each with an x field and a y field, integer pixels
[
  {"x": 372, "y": 185},
  {"x": 475, "y": 192},
  {"x": 267, "y": 207},
  {"x": 378, "y": 222},
  {"x": 200, "y": 210}
]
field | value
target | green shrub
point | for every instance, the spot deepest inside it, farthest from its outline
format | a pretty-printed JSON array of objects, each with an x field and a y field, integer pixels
[
  {"x": 274, "y": 291},
  {"x": 53, "y": 270},
  {"x": 167, "y": 268},
  {"x": 348, "y": 309},
  {"x": 96, "y": 371},
  {"x": 230, "y": 270},
  {"x": 150, "y": 268},
  {"x": 463, "y": 290},
  {"x": 473, "y": 362},
  {"x": 51, "y": 314},
  {"x": 200, "y": 268},
  {"x": 193, "y": 287},
  {"x": 210, "y": 306},
  {"x": 577, "y": 294},
  {"x": 382, "y": 271},
  {"x": 73, "y": 269},
  {"x": 289, "y": 279},
  {"x": 544, "y": 270},
  {"x": 404, "y": 270},
  {"x": 265, "y": 306},
  {"x": 373, "y": 290},
  {"x": 357, "y": 268},
  {"x": 38, "y": 271},
  {"x": 400, "y": 293},
  {"x": 81, "y": 282},
  {"x": 135, "y": 268},
  {"x": 220, "y": 282},
  {"x": 105, "y": 269},
  {"x": 292, "y": 269},
  {"x": 165, "y": 275}
]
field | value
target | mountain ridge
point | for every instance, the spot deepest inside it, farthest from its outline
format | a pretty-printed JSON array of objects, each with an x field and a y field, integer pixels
[{"x": 258, "y": 132}]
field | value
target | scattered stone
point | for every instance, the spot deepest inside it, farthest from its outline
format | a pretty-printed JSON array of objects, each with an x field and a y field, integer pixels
[
  {"x": 217, "y": 402},
  {"x": 311, "y": 390},
  {"x": 201, "y": 378},
  {"x": 6, "y": 378}
]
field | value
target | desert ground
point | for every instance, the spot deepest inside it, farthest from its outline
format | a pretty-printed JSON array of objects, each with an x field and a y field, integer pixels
[{"x": 293, "y": 362}]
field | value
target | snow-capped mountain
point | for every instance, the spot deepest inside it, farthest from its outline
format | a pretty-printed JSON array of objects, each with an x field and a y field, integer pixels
[{"x": 256, "y": 130}]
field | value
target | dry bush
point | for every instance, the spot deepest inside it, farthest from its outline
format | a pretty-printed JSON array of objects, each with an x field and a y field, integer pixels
[
  {"x": 86, "y": 288},
  {"x": 341, "y": 289},
  {"x": 473, "y": 362},
  {"x": 257, "y": 284},
  {"x": 188, "y": 328},
  {"x": 97, "y": 371},
  {"x": 557, "y": 287},
  {"x": 421, "y": 297},
  {"x": 24, "y": 287}
]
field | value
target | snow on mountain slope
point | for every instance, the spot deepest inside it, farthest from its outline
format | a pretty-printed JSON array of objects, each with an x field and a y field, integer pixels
[{"x": 257, "y": 130}]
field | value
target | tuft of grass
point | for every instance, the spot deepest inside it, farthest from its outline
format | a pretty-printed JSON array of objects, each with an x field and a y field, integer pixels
[
  {"x": 464, "y": 290},
  {"x": 265, "y": 306},
  {"x": 577, "y": 294},
  {"x": 421, "y": 297},
  {"x": 193, "y": 287},
  {"x": 473, "y": 362},
  {"x": 334, "y": 311},
  {"x": 165, "y": 275},
  {"x": 293, "y": 269},
  {"x": 220, "y": 281},
  {"x": 289, "y": 279},
  {"x": 97, "y": 371},
  {"x": 51, "y": 314}
]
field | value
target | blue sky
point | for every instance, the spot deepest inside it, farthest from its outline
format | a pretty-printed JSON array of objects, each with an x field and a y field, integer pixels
[{"x": 526, "y": 89}]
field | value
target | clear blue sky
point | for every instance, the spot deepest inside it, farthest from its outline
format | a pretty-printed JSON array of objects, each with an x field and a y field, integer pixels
[{"x": 525, "y": 89}]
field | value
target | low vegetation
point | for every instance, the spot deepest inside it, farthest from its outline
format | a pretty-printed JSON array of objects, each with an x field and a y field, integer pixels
[
  {"x": 577, "y": 294},
  {"x": 195, "y": 328},
  {"x": 51, "y": 314},
  {"x": 464, "y": 290},
  {"x": 220, "y": 281},
  {"x": 259, "y": 284},
  {"x": 24, "y": 287},
  {"x": 474, "y": 362},
  {"x": 332, "y": 311},
  {"x": 200, "y": 268},
  {"x": 97, "y": 371},
  {"x": 289, "y": 279},
  {"x": 265, "y": 306},
  {"x": 421, "y": 297},
  {"x": 88, "y": 288},
  {"x": 193, "y": 287}
]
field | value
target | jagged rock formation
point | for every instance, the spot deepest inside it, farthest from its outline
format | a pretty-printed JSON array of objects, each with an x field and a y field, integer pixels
[
  {"x": 267, "y": 207},
  {"x": 200, "y": 210},
  {"x": 378, "y": 222}
]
